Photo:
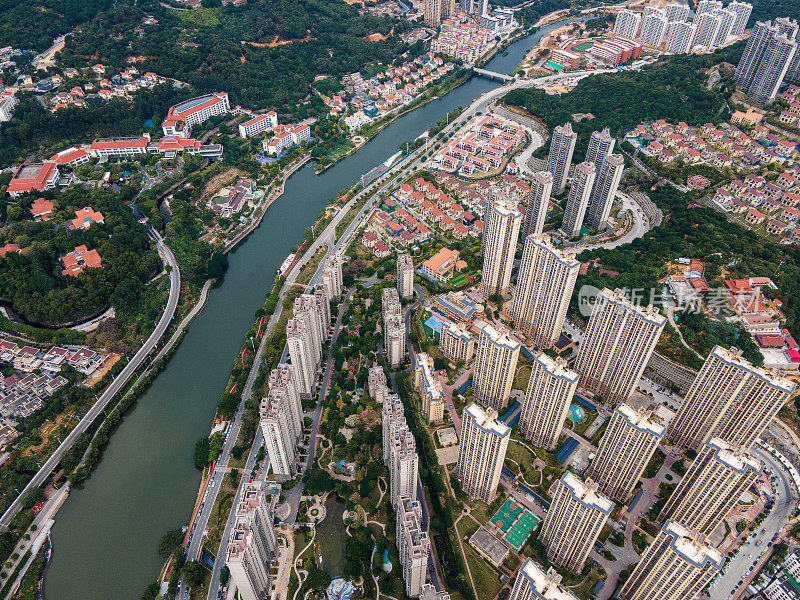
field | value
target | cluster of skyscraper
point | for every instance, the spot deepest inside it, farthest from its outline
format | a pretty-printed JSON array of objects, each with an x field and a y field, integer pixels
[
  {"x": 594, "y": 184},
  {"x": 713, "y": 26},
  {"x": 394, "y": 328},
  {"x": 402, "y": 461},
  {"x": 771, "y": 55},
  {"x": 281, "y": 412},
  {"x": 725, "y": 411}
]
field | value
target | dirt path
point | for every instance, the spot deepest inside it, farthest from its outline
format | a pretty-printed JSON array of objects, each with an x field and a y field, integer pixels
[{"x": 98, "y": 374}]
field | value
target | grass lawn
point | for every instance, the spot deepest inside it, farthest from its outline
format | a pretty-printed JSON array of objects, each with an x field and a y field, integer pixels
[
  {"x": 523, "y": 457},
  {"x": 199, "y": 16},
  {"x": 580, "y": 428},
  {"x": 522, "y": 376},
  {"x": 486, "y": 578}
]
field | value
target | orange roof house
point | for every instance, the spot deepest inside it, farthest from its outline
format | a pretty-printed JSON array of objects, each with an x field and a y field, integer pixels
[
  {"x": 42, "y": 209},
  {"x": 85, "y": 217},
  {"x": 79, "y": 259},
  {"x": 9, "y": 248}
]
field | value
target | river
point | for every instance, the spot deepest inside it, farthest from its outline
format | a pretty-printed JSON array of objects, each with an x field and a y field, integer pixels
[{"x": 106, "y": 535}]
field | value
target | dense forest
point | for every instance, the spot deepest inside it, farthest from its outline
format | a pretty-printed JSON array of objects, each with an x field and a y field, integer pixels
[
  {"x": 32, "y": 282},
  {"x": 673, "y": 89},
  {"x": 700, "y": 232},
  {"x": 225, "y": 48},
  {"x": 32, "y": 24}
]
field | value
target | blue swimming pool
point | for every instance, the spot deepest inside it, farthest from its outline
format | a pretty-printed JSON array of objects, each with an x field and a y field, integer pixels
[{"x": 576, "y": 413}]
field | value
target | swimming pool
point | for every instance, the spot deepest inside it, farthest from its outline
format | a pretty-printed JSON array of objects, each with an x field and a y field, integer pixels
[{"x": 576, "y": 413}]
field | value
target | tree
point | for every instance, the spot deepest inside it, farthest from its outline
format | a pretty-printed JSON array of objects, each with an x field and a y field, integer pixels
[
  {"x": 170, "y": 542},
  {"x": 193, "y": 573},
  {"x": 224, "y": 575},
  {"x": 317, "y": 579},
  {"x": 215, "y": 446},
  {"x": 33, "y": 497},
  {"x": 201, "y": 453}
]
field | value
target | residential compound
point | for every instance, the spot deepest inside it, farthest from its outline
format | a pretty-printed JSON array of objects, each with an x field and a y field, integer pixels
[
  {"x": 499, "y": 244},
  {"x": 771, "y": 55},
  {"x": 545, "y": 282},
  {"x": 429, "y": 389},
  {"x": 712, "y": 486},
  {"x": 395, "y": 87},
  {"x": 617, "y": 345},
  {"x": 669, "y": 28},
  {"x": 332, "y": 275},
  {"x": 559, "y": 159},
  {"x": 403, "y": 465},
  {"x": 625, "y": 449},
  {"x": 405, "y": 276},
  {"x": 36, "y": 377},
  {"x": 729, "y": 399},
  {"x": 413, "y": 545},
  {"x": 538, "y": 203},
  {"x": 484, "y": 440},
  {"x": 718, "y": 146},
  {"x": 394, "y": 328},
  {"x": 496, "y": 358},
  {"x": 281, "y": 416},
  {"x": 482, "y": 145},
  {"x": 400, "y": 456},
  {"x": 304, "y": 337},
  {"x": 676, "y": 566},
  {"x": 547, "y": 401},
  {"x": 576, "y": 516},
  {"x": 460, "y": 38},
  {"x": 253, "y": 544},
  {"x": 456, "y": 342}
]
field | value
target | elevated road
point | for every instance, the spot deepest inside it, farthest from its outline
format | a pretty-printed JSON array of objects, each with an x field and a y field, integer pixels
[{"x": 116, "y": 385}]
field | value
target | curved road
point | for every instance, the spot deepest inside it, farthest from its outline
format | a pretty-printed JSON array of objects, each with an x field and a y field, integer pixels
[{"x": 119, "y": 381}]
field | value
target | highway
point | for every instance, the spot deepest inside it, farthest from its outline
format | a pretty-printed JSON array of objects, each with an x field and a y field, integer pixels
[
  {"x": 748, "y": 560},
  {"x": 116, "y": 385}
]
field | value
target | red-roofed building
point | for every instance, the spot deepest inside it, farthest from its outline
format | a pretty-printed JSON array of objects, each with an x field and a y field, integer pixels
[
  {"x": 183, "y": 116},
  {"x": 9, "y": 248},
  {"x": 85, "y": 217},
  {"x": 79, "y": 259},
  {"x": 119, "y": 146},
  {"x": 34, "y": 177},
  {"x": 42, "y": 209},
  {"x": 71, "y": 157}
]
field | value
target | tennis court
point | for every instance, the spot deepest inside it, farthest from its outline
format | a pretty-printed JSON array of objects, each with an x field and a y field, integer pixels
[{"x": 515, "y": 522}]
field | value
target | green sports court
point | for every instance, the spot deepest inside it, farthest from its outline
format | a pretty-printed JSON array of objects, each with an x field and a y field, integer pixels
[
  {"x": 582, "y": 47},
  {"x": 515, "y": 522}
]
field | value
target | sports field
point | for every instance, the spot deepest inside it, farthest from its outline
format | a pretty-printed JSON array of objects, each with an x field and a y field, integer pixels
[
  {"x": 463, "y": 279},
  {"x": 515, "y": 523},
  {"x": 582, "y": 47}
]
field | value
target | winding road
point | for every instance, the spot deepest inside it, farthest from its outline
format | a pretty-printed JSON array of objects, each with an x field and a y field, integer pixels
[{"x": 119, "y": 382}]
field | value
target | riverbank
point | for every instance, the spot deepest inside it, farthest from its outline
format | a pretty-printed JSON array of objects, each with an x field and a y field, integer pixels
[
  {"x": 255, "y": 222},
  {"x": 368, "y": 135},
  {"x": 148, "y": 467}
]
